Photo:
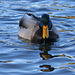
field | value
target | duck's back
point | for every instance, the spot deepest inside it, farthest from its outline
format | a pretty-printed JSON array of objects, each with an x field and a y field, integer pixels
[{"x": 28, "y": 26}]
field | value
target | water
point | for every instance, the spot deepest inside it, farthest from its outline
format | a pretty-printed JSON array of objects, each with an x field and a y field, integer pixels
[{"x": 21, "y": 57}]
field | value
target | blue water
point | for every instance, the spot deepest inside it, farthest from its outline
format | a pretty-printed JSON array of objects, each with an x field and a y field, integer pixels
[{"x": 20, "y": 56}]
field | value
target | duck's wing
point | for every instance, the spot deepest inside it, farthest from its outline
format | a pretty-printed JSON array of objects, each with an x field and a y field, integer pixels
[
  {"x": 28, "y": 25},
  {"x": 29, "y": 21},
  {"x": 54, "y": 33}
]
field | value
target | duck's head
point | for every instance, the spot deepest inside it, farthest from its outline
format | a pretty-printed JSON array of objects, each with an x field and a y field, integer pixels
[{"x": 45, "y": 25}]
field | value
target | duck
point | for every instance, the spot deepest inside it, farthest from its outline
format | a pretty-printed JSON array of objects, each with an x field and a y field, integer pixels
[{"x": 37, "y": 29}]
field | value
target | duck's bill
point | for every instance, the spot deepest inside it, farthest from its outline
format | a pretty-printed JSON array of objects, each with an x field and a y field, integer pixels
[{"x": 45, "y": 32}]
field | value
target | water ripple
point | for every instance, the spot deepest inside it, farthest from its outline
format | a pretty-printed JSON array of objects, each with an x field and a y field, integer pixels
[{"x": 20, "y": 56}]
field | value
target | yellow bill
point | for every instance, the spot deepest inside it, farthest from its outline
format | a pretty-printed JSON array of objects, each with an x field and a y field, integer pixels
[{"x": 45, "y": 31}]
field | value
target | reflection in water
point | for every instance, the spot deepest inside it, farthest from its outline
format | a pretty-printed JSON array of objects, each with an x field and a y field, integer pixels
[
  {"x": 46, "y": 47},
  {"x": 8, "y": 61},
  {"x": 45, "y": 56},
  {"x": 49, "y": 68},
  {"x": 67, "y": 17},
  {"x": 66, "y": 68}
]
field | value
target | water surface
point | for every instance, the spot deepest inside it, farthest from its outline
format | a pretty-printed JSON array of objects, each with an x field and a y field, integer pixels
[{"x": 21, "y": 57}]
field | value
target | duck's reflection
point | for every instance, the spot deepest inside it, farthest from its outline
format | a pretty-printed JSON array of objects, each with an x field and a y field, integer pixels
[
  {"x": 48, "y": 68},
  {"x": 45, "y": 56}
]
